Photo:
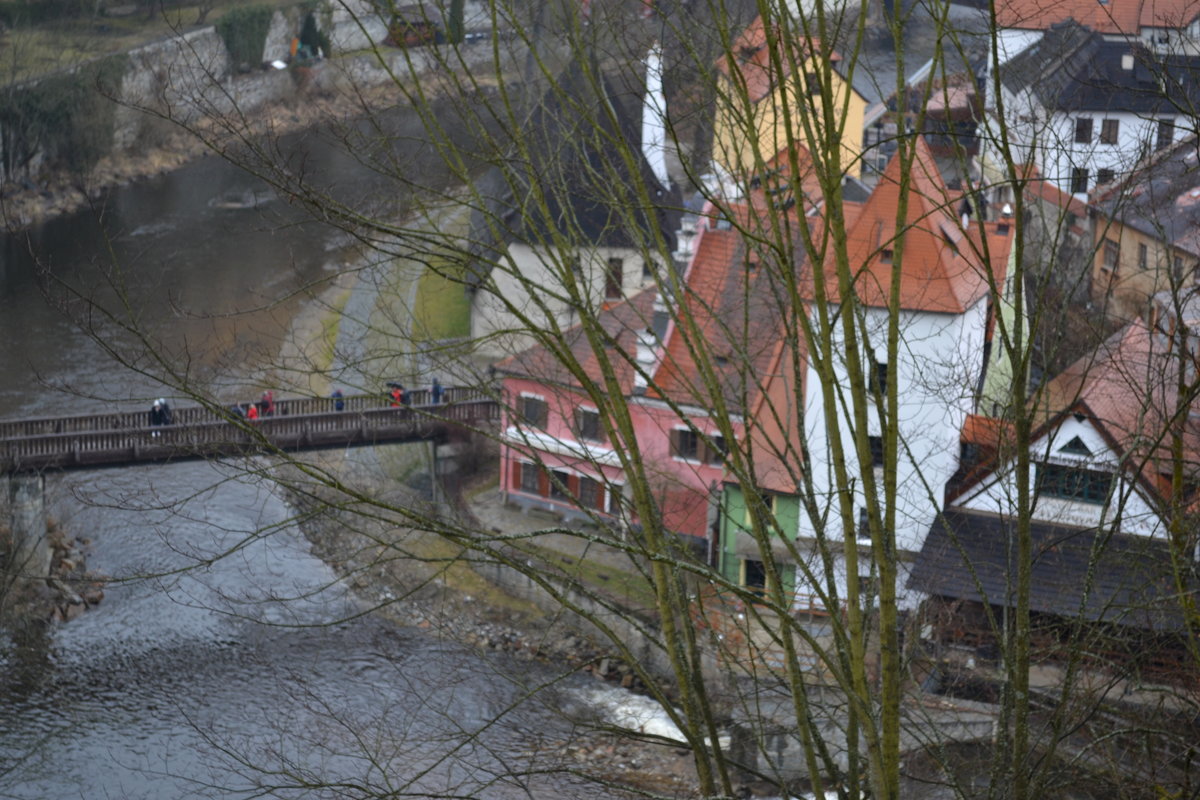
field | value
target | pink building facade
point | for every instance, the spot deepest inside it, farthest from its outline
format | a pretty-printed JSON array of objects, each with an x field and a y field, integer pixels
[{"x": 558, "y": 456}]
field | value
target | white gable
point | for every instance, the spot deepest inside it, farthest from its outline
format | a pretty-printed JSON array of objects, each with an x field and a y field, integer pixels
[{"x": 1063, "y": 447}]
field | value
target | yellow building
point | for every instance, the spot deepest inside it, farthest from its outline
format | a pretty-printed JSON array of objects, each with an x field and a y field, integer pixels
[
  {"x": 1147, "y": 231},
  {"x": 761, "y": 97}
]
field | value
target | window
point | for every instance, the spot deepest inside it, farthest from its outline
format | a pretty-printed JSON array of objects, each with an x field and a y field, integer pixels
[
  {"x": 1112, "y": 256},
  {"x": 714, "y": 453},
  {"x": 560, "y": 485},
  {"x": 864, "y": 525},
  {"x": 875, "y": 443},
  {"x": 1073, "y": 483},
  {"x": 885, "y": 255},
  {"x": 1079, "y": 180},
  {"x": 1083, "y": 130},
  {"x": 614, "y": 278},
  {"x": 533, "y": 411},
  {"x": 1076, "y": 446},
  {"x": 879, "y": 378},
  {"x": 689, "y": 446},
  {"x": 1178, "y": 264},
  {"x": 950, "y": 243},
  {"x": 1166, "y": 133},
  {"x": 591, "y": 493},
  {"x": 754, "y": 576},
  {"x": 647, "y": 269},
  {"x": 1110, "y": 131},
  {"x": 813, "y": 84},
  {"x": 587, "y": 424},
  {"x": 1104, "y": 176},
  {"x": 1143, "y": 256},
  {"x": 614, "y": 499},
  {"x": 685, "y": 444},
  {"x": 528, "y": 478}
]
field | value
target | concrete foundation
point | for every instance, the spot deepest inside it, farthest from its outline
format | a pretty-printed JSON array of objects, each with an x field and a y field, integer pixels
[{"x": 30, "y": 552}]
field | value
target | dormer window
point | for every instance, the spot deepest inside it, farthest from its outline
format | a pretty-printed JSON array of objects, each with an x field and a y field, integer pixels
[
  {"x": 950, "y": 243},
  {"x": 1075, "y": 447},
  {"x": 1073, "y": 483}
]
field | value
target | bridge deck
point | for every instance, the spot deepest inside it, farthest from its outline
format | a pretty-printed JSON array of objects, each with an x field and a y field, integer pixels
[{"x": 118, "y": 438}]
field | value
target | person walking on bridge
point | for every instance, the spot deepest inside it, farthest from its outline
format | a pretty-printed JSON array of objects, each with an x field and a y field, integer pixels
[{"x": 160, "y": 414}]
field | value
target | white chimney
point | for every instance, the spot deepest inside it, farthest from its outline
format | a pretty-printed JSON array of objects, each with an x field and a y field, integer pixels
[{"x": 654, "y": 116}]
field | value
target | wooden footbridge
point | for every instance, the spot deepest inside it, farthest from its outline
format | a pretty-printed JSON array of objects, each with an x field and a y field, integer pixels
[{"x": 122, "y": 438}]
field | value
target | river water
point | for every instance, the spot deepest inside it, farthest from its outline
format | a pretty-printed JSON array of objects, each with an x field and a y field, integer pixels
[{"x": 219, "y": 663}]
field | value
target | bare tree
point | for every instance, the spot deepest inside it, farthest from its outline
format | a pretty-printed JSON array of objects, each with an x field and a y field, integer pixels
[{"x": 788, "y": 396}]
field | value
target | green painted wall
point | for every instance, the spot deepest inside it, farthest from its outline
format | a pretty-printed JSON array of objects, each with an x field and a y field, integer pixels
[{"x": 733, "y": 521}]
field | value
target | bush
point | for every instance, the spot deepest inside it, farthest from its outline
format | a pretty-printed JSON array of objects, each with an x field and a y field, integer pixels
[
  {"x": 67, "y": 117},
  {"x": 244, "y": 31},
  {"x": 17, "y": 13}
]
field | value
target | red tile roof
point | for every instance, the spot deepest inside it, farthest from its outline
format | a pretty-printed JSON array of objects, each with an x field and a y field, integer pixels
[
  {"x": 619, "y": 324},
  {"x": 942, "y": 267},
  {"x": 730, "y": 313},
  {"x": 1111, "y": 17},
  {"x": 1128, "y": 388},
  {"x": 753, "y": 59}
]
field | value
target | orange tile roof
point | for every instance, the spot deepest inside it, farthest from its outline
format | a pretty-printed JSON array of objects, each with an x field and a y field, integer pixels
[
  {"x": 1111, "y": 17},
  {"x": 941, "y": 269},
  {"x": 773, "y": 424},
  {"x": 620, "y": 324},
  {"x": 753, "y": 59},
  {"x": 1128, "y": 388},
  {"x": 729, "y": 310}
]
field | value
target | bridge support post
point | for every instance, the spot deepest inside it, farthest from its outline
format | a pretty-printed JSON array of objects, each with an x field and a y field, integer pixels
[{"x": 30, "y": 549}]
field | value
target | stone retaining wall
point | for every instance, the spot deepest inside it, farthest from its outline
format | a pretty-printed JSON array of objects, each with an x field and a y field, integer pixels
[{"x": 190, "y": 77}]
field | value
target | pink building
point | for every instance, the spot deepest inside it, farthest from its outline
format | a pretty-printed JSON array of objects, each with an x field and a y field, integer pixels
[{"x": 564, "y": 448}]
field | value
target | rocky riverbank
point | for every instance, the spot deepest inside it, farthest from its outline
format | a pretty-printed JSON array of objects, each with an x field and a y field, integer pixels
[
  {"x": 421, "y": 587},
  {"x": 64, "y": 595}
]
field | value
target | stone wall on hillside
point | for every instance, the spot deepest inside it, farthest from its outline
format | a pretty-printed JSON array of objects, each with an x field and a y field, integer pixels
[{"x": 189, "y": 77}]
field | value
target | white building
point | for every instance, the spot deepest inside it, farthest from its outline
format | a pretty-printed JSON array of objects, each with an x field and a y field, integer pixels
[
  {"x": 1085, "y": 111},
  {"x": 949, "y": 265}
]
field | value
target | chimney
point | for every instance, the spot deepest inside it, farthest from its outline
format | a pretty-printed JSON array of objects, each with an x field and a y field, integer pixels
[{"x": 654, "y": 115}]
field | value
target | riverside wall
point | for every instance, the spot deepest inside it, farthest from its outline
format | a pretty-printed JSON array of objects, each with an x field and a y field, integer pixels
[{"x": 190, "y": 80}]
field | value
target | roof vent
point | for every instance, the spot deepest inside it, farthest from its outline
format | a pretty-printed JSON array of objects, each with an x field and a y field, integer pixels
[{"x": 1127, "y": 61}]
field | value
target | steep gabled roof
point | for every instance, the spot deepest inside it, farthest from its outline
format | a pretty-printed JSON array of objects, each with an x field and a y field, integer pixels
[
  {"x": 941, "y": 269},
  {"x": 727, "y": 310},
  {"x": 1110, "y": 17},
  {"x": 752, "y": 58},
  {"x": 1129, "y": 388},
  {"x": 620, "y": 323},
  {"x": 1126, "y": 389}
]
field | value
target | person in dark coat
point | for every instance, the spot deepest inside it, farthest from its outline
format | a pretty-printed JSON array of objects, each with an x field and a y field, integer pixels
[
  {"x": 156, "y": 414},
  {"x": 435, "y": 392},
  {"x": 339, "y": 402}
]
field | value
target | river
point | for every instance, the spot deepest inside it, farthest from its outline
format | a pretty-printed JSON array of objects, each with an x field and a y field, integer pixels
[{"x": 219, "y": 663}]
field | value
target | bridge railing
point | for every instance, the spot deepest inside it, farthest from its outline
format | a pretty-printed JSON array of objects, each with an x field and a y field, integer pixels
[
  {"x": 287, "y": 430},
  {"x": 196, "y": 415}
]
